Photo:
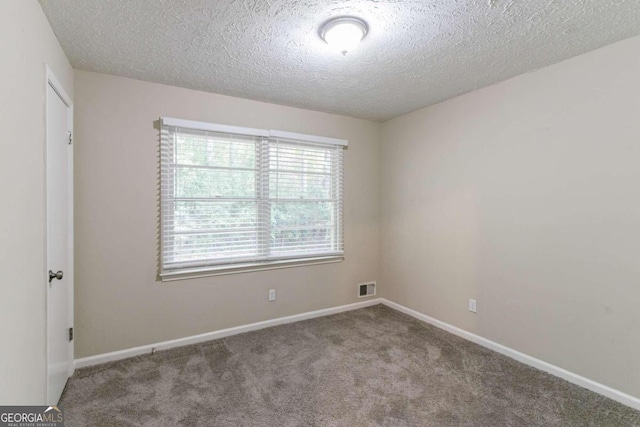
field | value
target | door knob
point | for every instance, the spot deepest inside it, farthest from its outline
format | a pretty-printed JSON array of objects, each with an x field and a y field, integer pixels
[{"x": 53, "y": 275}]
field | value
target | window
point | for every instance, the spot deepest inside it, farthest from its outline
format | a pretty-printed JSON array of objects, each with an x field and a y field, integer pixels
[{"x": 236, "y": 198}]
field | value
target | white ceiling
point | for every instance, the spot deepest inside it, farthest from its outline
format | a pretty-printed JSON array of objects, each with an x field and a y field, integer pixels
[{"x": 417, "y": 53}]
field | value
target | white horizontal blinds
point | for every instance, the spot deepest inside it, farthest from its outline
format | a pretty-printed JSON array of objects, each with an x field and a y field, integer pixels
[
  {"x": 210, "y": 198},
  {"x": 232, "y": 198},
  {"x": 305, "y": 198}
]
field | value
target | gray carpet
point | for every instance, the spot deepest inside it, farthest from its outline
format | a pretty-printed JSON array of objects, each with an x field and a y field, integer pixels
[{"x": 369, "y": 367}]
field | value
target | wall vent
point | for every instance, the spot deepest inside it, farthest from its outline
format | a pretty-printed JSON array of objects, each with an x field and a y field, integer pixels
[{"x": 366, "y": 289}]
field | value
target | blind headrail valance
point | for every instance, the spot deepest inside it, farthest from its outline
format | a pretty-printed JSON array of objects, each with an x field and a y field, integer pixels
[{"x": 241, "y": 130}]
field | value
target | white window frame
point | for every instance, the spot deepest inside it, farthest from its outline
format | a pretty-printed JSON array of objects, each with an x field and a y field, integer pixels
[{"x": 178, "y": 273}]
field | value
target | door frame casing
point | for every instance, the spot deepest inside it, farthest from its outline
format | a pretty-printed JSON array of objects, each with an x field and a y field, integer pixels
[{"x": 52, "y": 80}]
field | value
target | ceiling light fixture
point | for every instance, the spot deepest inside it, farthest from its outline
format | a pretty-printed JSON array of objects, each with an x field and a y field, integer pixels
[{"x": 344, "y": 33}]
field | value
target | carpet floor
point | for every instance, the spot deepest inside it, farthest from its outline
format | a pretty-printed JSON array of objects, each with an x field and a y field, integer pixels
[{"x": 368, "y": 367}]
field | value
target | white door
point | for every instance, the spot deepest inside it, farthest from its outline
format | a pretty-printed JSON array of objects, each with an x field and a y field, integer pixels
[{"x": 59, "y": 255}]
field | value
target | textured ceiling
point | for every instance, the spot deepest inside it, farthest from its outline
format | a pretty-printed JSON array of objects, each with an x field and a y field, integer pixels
[{"x": 417, "y": 53}]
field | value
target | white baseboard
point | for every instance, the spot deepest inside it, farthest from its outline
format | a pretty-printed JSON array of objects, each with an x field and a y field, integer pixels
[
  {"x": 146, "y": 349},
  {"x": 579, "y": 380}
]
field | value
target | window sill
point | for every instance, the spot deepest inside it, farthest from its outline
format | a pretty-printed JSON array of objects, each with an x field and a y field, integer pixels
[{"x": 195, "y": 273}]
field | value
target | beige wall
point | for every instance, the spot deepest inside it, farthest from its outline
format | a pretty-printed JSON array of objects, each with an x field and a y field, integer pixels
[
  {"x": 526, "y": 196},
  {"x": 119, "y": 302},
  {"x": 26, "y": 43}
]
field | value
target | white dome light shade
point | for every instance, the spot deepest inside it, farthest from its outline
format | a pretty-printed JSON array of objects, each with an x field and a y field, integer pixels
[{"x": 344, "y": 34}]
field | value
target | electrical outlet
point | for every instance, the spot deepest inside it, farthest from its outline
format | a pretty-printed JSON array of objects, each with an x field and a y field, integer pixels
[
  {"x": 472, "y": 305},
  {"x": 272, "y": 294}
]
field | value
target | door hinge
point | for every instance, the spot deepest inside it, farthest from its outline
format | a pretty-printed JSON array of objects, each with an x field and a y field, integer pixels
[
  {"x": 70, "y": 137},
  {"x": 70, "y": 334}
]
